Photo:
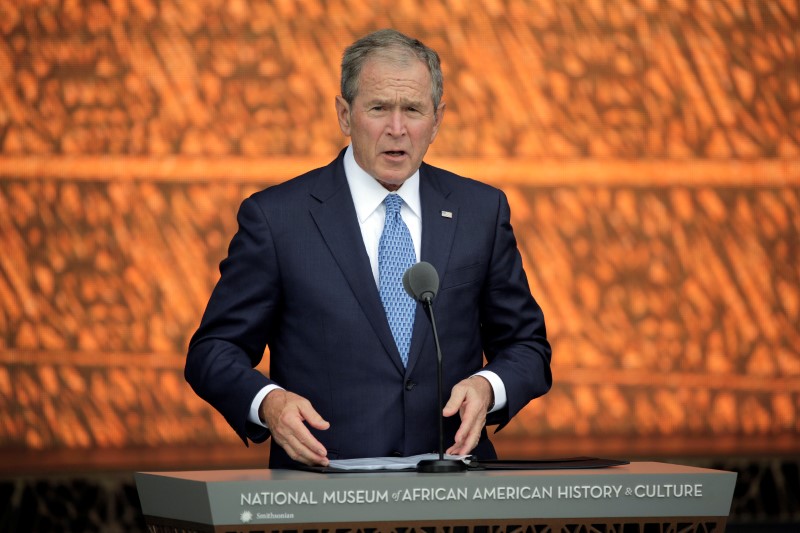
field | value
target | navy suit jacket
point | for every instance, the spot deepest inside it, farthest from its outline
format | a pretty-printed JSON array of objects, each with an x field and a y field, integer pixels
[{"x": 298, "y": 280}]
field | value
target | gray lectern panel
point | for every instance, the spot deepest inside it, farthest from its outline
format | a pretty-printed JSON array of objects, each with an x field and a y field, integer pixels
[
  {"x": 174, "y": 497},
  {"x": 287, "y": 497}
]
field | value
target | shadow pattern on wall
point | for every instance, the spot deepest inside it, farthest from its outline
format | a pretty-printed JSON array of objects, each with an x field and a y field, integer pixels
[{"x": 649, "y": 151}]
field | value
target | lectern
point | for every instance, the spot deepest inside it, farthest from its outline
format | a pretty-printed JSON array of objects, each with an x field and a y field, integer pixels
[{"x": 656, "y": 496}]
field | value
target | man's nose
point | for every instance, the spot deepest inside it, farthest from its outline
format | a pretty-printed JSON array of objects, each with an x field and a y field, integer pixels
[{"x": 397, "y": 124}]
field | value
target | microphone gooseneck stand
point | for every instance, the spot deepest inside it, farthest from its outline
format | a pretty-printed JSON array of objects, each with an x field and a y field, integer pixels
[
  {"x": 421, "y": 282},
  {"x": 440, "y": 465}
]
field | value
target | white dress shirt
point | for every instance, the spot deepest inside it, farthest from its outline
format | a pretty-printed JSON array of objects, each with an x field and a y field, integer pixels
[{"x": 368, "y": 196}]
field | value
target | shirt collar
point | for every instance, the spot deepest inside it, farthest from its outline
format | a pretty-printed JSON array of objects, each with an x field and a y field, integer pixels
[{"x": 368, "y": 194}]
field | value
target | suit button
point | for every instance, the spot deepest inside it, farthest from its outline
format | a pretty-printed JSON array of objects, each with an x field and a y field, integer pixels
[
  {"x": 410, "y": 385},
  {"x": 397, "y": 454}
]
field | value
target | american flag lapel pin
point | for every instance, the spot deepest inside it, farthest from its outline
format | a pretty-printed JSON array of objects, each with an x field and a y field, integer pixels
[{"x": 447, "y": 214}]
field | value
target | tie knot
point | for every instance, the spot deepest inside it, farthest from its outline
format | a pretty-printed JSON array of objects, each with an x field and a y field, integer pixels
[{"x": 393, "y": 203}]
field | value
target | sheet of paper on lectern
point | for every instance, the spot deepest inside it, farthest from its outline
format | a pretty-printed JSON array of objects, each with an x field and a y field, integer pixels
[{"x": 390, "y": 463}]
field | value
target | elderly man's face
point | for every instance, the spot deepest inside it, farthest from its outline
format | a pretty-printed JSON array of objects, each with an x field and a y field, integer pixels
[{"x": 391, "y": 121}]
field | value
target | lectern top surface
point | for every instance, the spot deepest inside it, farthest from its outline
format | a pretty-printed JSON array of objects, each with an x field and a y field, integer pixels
[{"x": 296, "y": 475}]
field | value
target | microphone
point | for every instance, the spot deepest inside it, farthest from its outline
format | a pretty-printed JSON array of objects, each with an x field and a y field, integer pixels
[{"x": 421, "y": 282}]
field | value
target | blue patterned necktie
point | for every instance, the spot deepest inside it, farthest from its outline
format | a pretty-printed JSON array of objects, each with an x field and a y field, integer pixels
[{"x": 395, "y": 256}]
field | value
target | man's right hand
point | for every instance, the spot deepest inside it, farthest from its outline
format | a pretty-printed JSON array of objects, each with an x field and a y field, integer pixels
[{"x": 286, "y": 414}]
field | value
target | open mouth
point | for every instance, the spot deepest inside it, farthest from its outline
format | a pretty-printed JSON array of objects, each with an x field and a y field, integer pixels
[{"x": 395, "y": 153}]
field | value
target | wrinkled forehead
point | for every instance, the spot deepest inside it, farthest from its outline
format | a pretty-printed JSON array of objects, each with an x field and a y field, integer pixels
[{"x": 394, "y": 59}]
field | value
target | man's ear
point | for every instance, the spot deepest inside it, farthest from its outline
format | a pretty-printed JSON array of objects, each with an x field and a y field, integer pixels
[
  {"x": 343, "y": 114},
  {"x": 437, "y": 120}
]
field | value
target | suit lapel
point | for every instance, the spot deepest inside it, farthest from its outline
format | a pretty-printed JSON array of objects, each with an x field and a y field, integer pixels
[
  {"x": 335, "y": 217},
  {"x": 439, "y": 219}
]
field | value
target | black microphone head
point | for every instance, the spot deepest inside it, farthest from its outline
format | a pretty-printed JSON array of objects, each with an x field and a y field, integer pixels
[{"x": 421, "y": 282}]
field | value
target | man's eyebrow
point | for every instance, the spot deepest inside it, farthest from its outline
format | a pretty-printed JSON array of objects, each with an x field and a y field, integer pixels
[{"x": 405, "y": 102}]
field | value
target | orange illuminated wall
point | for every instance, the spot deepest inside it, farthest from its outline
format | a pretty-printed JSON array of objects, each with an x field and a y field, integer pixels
[{"x": 650, "y": 151}]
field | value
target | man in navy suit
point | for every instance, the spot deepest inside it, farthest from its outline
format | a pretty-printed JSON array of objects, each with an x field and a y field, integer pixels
[{"x": 302, "y": 277}]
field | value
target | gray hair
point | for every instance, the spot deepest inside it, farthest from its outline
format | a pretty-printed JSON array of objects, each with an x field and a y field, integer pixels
[{"x": 393, "y": 44}]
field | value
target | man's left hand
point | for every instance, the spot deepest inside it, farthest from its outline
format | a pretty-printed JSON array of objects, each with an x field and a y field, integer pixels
[{"x": 470, "y": 398}]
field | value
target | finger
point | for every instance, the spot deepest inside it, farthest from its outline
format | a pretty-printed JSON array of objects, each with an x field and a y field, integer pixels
[
  {"x": 312, "y": 417},
  {"x": 470, "y": 416},
  {"x": 457, "y": 450},
  {"x": 457, "y": 397},
  {"x": 299, "y": 443},
  {"x": 310, "y": 453},
  {"x": 307, "y": 441},
  {"x": 468, "y": 434},
  {"x": 304, "y": 455},
  {"x": 304, "y": 436},
  {"x": 465, "y": 446},
  {"x": 473, "y": 419}
]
